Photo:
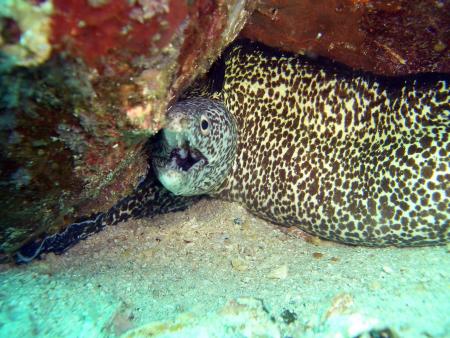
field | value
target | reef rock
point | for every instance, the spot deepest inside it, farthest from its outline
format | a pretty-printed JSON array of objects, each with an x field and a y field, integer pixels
[
  {"x": 386, "y": 37},
  {"x": 82, "y": 85}
]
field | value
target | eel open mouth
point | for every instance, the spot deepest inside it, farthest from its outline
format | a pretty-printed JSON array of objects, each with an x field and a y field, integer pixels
[{"x": 185, "y": 157}]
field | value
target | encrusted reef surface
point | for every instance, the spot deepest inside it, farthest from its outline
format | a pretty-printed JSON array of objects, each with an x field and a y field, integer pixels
[
  {"x": 82, "y": 85},
  {"x": 386, "y": 37}
]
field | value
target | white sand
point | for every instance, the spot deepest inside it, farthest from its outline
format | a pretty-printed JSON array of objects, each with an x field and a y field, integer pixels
[{"x": 196, "y": 261}]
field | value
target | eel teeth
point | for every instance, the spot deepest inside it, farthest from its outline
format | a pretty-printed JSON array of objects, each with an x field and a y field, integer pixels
[{"x": 183, "y": 153}]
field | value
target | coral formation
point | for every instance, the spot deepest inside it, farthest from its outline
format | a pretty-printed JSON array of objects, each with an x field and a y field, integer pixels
[{"x": 25, "y": 31}]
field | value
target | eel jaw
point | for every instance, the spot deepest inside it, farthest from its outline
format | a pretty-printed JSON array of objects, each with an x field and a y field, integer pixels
[
  {"x": 176, "y": 160},
  {"x": 185, "y": 159}
]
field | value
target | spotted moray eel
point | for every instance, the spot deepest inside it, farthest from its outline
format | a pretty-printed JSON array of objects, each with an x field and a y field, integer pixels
[{"x": 344, "y": 155}]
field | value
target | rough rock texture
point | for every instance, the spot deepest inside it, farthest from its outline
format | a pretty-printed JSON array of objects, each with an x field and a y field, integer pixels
[
  {"x": 82, "y": 85},
  {"x": 385, "y": 37}
]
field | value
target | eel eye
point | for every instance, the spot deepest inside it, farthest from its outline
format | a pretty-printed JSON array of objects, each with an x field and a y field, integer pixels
[{"x": 204, "y": 124}]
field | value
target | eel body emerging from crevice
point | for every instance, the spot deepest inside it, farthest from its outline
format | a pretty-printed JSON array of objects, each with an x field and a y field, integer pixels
[{"x": 344, "y": 155}]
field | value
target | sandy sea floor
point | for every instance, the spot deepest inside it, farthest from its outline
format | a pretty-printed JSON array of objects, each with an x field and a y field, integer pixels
[{"x": 217, "y": 271}]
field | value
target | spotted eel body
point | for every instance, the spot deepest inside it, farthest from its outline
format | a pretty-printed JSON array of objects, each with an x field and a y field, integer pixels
[{"x": 344, "y": 155}]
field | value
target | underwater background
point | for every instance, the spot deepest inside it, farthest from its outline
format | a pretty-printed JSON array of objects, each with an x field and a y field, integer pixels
[{"x": 84, "y": 83}]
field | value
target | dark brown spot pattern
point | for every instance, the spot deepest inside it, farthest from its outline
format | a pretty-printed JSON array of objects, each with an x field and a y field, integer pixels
[{"x": 343, "y": 155}]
